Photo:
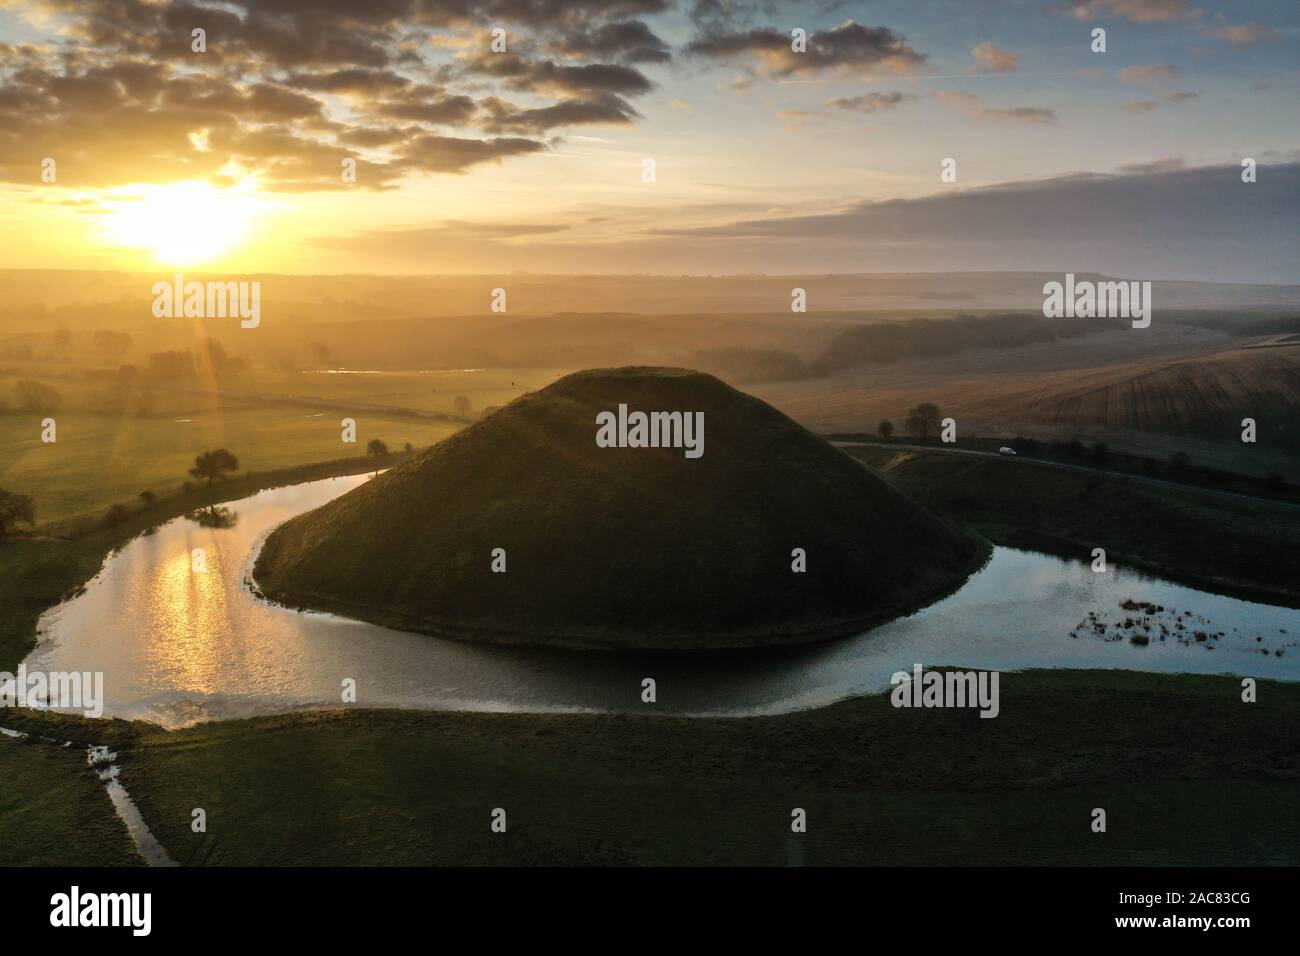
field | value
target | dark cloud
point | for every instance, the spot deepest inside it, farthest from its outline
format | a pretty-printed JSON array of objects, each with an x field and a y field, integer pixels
[
  {"x": 546, "y": 76},
  {"x": 847, "y": 48},
  {"x": 449, "y": 154},
  {"x": 504, "y": 117},
  {"x": 1158, "y": 221},
  {"x": 1200, "y": 224},
  {"x": 427, "y": 105},
  {"x": 119, "y": 96},
  {"x": 263, "y": 102},
  {"x": 628, "y": 41},
  {"x": 357, "y": 81}
]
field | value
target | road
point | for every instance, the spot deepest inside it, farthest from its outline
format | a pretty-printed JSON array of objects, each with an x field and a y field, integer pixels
[{"x": 1232, "y": 495}]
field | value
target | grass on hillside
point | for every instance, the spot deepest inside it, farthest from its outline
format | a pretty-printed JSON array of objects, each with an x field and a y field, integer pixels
[
  {"x": 1207, "y": 541},
  {"x": 625, "y": 527},
  {"x": 1188, "y": 775}
]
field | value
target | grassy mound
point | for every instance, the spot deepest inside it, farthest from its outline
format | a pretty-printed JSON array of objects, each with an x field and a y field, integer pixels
[{"x": 621, "y": 547}]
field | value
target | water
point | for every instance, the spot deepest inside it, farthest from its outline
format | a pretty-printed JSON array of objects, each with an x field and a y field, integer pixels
[
  {"x": 103, "y": 762},
  {"x": 177, "y": 647}
]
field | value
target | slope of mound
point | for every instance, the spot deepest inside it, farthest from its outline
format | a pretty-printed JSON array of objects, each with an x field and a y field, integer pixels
[{"x": 621, "y": 546}]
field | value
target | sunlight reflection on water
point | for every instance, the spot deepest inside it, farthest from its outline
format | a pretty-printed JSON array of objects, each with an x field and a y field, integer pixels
[{"x": 177, "y": 646}]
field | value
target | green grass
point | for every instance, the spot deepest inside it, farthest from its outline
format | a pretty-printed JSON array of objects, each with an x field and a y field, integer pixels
[
  {"x": 102, "y": 459},
  {"x": 1188, "y": 774},
  {"x": 432, "y": 392},
  {"x": 53, "y": 809},
  {"x": 1208, "y": 541}
]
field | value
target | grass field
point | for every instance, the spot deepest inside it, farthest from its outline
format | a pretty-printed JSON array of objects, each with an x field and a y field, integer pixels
[
  {"x": 1187, "y": 773},
  {"x": 102, "y": 459},
  {"x": 1181, "y": 389},
  {"x": 53, "y": 812},
  {"x": 1228, "y": 545},
  {"x": 432, "y": 391}
]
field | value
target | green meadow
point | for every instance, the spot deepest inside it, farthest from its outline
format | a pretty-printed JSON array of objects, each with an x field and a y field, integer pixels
[{"x": 1186, "y": 772}]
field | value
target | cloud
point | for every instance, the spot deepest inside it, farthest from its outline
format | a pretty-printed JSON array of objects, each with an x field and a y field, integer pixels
[
  {"x": 1243, "y": 33},
  {"x": 1166, "y": 164},
  {"x": 871, "y": 102},
  {"x": 548, "y": 77},
  {"x": 1165, "y": 221},
  {"x": 1149, "y": 73},
  {"x": 449, "y": 154},
  {"x": 120, "y": 97},
  {"x": 504, "y": 117},
  {"x": 426, "y": 104},
  {"x": 629, "y": 41},
  {"x": 974, "y": 107},
  {"x": 356, "y": 81},
  {"x": 989, "y": 59},
  {"x": 1173, "y": 96},
  {"x": 848, "y": 49},
  {"x": 1135, "y": 11}
]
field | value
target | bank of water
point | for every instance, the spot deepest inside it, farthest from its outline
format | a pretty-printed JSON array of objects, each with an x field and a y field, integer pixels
[{"x": 178, "y": 645}]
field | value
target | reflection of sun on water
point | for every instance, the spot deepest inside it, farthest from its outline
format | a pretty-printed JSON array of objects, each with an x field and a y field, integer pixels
[
  {"x": 189, "y": 608},
  {"x": 181, "y": 224}
]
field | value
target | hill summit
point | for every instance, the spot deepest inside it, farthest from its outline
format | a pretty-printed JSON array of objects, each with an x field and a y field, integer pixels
[{"x": 557, "y": 521}]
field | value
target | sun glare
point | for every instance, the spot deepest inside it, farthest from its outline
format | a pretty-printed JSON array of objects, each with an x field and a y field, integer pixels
[{"x": 181, "y": 224}]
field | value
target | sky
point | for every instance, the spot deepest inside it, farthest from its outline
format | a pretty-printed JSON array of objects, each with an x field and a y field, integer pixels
[{"x": 537, "y": 157}]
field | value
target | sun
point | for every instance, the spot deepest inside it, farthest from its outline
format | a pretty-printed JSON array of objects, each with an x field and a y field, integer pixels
[{"x": 181, "y": 224}]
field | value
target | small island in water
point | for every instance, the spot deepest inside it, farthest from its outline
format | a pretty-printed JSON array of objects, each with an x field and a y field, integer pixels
[{"x": 556, "y": 521}]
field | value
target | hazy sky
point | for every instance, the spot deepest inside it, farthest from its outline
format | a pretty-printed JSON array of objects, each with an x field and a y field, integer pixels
[{"x": 765, "y": 159}]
